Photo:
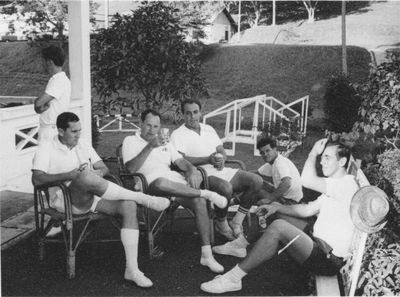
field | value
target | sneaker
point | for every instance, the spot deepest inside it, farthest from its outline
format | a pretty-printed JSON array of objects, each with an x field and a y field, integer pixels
[
  {"x": 156, "y": 203},
  {"x": 224, "y": 229},
  {"x": 231, "y": 249},
  {"x": 211, "y": 263},
  {"x": 138, "y": 278},
  {"x": 221, "y": 284},
  {"x": 236, "y": 228}
]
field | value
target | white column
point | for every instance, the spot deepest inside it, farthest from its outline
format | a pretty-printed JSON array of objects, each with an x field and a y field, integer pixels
[{"x": 79, "y": 63}]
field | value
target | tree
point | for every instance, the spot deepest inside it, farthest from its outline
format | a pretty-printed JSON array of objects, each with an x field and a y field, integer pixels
[
  {"x": 144, "y": 56},
  {"x": 253, "y": 13},
  {"x": 44, "y": 15},
  {"x": 310, "y": 6}
]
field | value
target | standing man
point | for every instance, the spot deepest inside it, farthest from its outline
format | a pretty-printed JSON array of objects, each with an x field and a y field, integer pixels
[
  {"x": 70, "y": 160},
  {"x": 287, "y": 187},
  {"x": 148, "y": 153},
  {"x": 56, "y": 97},
  {"x": 200, "y": 145},
  {"x": 322, "y": 251}
]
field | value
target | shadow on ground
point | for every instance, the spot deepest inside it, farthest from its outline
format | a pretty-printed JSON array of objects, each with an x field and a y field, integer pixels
[{"x": 99, "y": 270}]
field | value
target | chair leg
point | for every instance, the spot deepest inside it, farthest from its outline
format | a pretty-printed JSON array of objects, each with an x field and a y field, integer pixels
[
  {"x": 212, "y": 231},
  {"x": 71, "y": 264},
  {"x": 150, "y": 242},
  {"x": 41, "y": 248}
]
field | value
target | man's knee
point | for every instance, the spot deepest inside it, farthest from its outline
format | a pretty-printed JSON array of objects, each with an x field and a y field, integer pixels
[
  {"x": 160, "y": 184},
  {"x": 223, "y": 188},
  {"x": 256, "y": 181}
]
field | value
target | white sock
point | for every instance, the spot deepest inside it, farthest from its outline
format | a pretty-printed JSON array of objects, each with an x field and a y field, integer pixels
[
  {"x": 206, "y": 251},
  {"x": 115, "y": 192},
  {"x": 130, "y": 241},
  {"x": 236, "y": 274},
  {"x": 238, "y": 218}
]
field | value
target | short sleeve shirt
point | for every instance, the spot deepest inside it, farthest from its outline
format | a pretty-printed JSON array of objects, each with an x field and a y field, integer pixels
[
  {"x": 59, "y": 87},
  {"x": 158, "y": 161},
  {"x": 283, "y": 167},
  {"x": 193, "y": 144},
  {"x": 53, "y": 157},
  {"x": 334, "y": 224}
]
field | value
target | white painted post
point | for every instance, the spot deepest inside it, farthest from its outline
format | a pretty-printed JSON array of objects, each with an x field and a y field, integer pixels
[
  {"x": 79, "y": 63},
  {"x": 273, "y": 12}
]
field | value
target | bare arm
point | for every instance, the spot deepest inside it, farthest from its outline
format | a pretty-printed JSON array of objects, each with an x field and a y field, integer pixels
[
  {"x": 309, "y": 175},
  {"x": 41, "y": 103},
  {"x": 40, "y": 177},
  {"x": 197, "y": 160},
  {"x": 100, "y": 168},
  {"x": 296, "y": 210},
  {"x": 134, "y": 164},
  {"x": 192, "y": 175}
]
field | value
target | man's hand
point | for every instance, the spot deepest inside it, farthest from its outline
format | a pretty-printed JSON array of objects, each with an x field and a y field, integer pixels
[
  {"x": 319, "y": 147},
  {"x": 270, "y": 208},
  {"x": 156, "y": 141},
  {"x": 97, "y": 172},
  {"x": 217, "y": 160},
  {"x": 194, "y": 179}
]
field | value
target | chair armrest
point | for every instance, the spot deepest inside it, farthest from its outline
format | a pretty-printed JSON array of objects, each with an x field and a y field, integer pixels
[
  {"x": 236, "y": 162},
  {"x": 204, "y": 177}
]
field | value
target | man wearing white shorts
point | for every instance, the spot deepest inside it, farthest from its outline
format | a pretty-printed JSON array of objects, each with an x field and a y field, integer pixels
[
  {"x": 321, "y": 251},
  {"x": 56, "y": 97},
  {"x": 201, "y": 145},
  {"x": 70, "y": 160},
  {"x": 152, "y": 155}
]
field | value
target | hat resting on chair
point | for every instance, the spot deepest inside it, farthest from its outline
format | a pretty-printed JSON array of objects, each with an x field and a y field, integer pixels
[{"x": 368, "y": 209}]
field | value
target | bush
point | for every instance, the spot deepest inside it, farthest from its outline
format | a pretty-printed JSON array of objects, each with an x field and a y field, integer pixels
[
  {"x": 341, "y": 104},
  {"x": 380, "y": 107}
]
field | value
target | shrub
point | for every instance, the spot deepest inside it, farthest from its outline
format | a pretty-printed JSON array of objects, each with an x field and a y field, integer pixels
[
  {"x": 380, "y": 107},
  {"x": 341, "y": 104},
  {"x": 95, "y": 133}
]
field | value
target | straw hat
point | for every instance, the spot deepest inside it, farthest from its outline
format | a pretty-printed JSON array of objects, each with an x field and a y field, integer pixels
[{"x": 369, "y": 208}]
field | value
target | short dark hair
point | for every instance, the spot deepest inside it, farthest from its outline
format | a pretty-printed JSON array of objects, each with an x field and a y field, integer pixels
[
  {"x": 55, "y": 54},
  {"x": 265, "y": 141},
  {"x": 342, "y": 151},
  {"x": 144, "y": 114},
  {"x": 189, "y": 101},
  {"x": 65, "y": 118}
]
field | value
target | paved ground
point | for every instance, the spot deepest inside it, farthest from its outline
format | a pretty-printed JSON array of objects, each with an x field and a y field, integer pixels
[{"x": 100, "y": 270}]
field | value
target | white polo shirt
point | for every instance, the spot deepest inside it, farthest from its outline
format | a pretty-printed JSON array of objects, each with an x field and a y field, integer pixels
[
  {"x": 157, "y": 163},
  {"x": 53, "y": 157},
  {"x": 334, "y": 224},
  {"x": 283, "y": 167},
  {"x": 59, "y": 87},
  {"x": 204, "y": 144}
]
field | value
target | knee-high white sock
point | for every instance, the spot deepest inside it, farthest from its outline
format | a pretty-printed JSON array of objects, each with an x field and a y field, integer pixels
[
  {"x": 116, "y": 192},
  {"x": 239, "y": 216},
  {"x": 130, "y": 241}
]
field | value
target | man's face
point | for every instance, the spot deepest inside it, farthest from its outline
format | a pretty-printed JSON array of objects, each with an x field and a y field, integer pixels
[
  {"x": 192, "y": 115},
  {"x": 71, "y": 135},
  {"x": 329, "y": 161},
  {"x": 268, "y": 154},
  {"x": 150, "y": 127}
]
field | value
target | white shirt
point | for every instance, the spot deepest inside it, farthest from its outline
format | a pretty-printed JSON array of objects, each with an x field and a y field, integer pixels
[
  {"x": 59, "y": 87},
  {"x": 157, "y": 163},
  {"x": 192, "y": 144},
  {"x": 334, "y": 224},
  {"x": 283, "y": 167},
  {"x": 53, "y": 157}
]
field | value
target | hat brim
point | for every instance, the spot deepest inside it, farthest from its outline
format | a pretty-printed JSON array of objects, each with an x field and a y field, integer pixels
[{"x": 355, "y": 204}]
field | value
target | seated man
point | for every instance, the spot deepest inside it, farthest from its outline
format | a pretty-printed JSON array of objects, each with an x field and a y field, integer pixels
[
  {"x": 287, "y": 187},
  {"x": 201, "y": 145},
  {"x": 321, "y": 252},
  {"x": 70, "y": 160},
  {"x": 149, "y": 154}
]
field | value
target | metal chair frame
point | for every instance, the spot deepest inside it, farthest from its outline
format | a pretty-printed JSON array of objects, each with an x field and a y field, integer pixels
[{"x": 46, "y": 217}]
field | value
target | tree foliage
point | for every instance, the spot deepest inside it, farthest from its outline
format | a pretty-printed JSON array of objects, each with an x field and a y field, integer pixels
[
  {"x": 145, "y": 55},
  {"x": 44, "y": 15}
]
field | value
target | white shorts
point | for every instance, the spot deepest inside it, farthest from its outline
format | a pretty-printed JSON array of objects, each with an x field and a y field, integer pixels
[
  {"x": 57, "y": 202},
  {"x": 46, "y": 133},
  {"x": 226, "y": 173}
]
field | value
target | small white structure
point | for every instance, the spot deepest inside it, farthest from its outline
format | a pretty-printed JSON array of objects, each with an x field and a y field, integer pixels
[{"x": 266, "y": 110}]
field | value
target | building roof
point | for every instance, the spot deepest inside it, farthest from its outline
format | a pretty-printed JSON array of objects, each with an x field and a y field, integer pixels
[{"x": 227, "y": 14}]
